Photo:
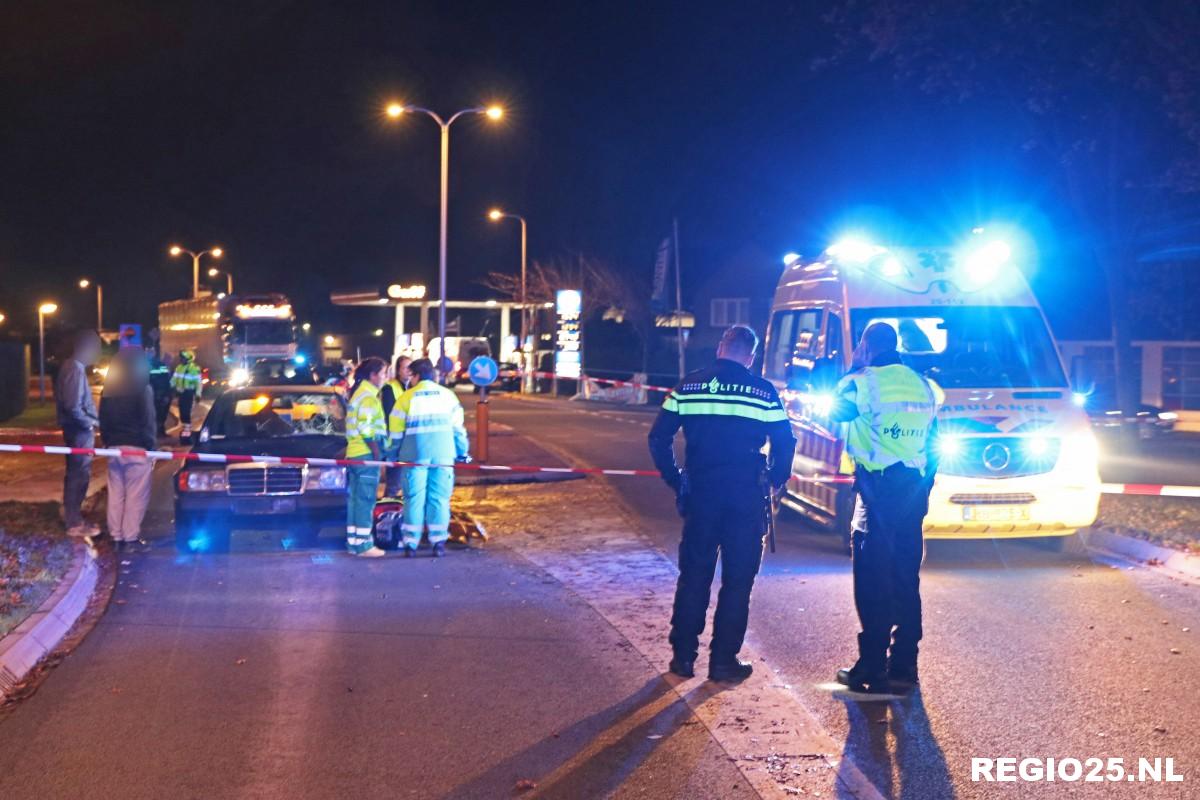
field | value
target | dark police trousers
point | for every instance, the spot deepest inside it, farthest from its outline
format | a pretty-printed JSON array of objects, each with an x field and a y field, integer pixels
[
  {"x": 887, "y": 563},
  {"x": 725, "y": 519}
]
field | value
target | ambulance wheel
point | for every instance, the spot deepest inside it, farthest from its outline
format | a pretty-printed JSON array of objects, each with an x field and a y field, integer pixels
[{"x": 844, "y": 518}]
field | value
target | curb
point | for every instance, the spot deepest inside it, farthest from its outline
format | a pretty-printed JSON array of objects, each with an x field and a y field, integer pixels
[
  {"x": 33, "y": 639},
  {"x": 1144, "y": 552}
]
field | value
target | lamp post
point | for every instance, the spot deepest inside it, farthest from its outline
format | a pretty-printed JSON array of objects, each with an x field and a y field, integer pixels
[
  {"x": 495, "y": 215},
  {"x": 43, "y": 310},
  {"x": 215, "y": 252},
  {"x": 214, "y": 272},
  {"x": 84, "y": 283},
  {"x": 397, "y": 110}
]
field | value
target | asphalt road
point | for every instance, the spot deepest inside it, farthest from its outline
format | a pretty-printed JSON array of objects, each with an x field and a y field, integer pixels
[
  {"x": 1028, "y": 652},
  {"x": 270, "y": 673}
]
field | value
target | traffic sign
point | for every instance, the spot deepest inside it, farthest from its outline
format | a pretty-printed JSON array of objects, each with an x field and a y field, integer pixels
[{"x": 483, "y": 370}]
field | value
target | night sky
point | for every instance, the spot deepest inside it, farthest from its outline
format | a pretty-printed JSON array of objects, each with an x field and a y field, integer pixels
[{"x": 258, "y": 126}]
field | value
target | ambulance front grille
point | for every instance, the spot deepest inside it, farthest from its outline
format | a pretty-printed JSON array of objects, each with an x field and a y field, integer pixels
[{"x": 998, "y": 499}]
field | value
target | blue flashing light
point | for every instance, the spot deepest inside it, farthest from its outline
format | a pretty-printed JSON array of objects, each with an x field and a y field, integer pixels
[
  {"x": 1079, "y": 398},
  {"x": 891, "y": 267},
  {"x": 984, "y": 263},
  {"x": 790, "y": 258},
  {"x": 199, "y": 543},
  {"x": 300, "y": 359},
  {"x": 949, "y": 446},
  {"x": 855, "y": 251},
  {"x": 1037, "y": 446}
]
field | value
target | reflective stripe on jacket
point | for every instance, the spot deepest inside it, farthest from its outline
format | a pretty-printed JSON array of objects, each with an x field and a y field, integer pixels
[
  {"x": 428, "y": 422},
  {"x": 186, "y": 377},
  {"x": 896, "y": 409},
  {"x": 364, "y": 420}
]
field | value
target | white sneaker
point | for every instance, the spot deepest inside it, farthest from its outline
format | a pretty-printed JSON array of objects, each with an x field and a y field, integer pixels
[{"x": 374, "y": 552}]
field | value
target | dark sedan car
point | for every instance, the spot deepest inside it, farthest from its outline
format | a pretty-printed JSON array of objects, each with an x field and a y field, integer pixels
[
  {"x": 211, "y": 499},
  {"x": 1150, "y": 422}
]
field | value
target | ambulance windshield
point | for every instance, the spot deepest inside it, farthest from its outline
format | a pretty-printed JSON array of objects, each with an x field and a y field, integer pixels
[{"x": 972, "y": 347}]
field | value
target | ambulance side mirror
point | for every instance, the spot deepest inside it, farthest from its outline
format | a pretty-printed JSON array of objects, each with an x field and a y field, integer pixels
[
  {"x": 825, "y": 374},
  {"x": 798, "y": 377},
  {"x": 1082, "y": 380}
]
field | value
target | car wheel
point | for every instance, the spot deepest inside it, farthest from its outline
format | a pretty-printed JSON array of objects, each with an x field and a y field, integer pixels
[{"x": 201, "y": 533}]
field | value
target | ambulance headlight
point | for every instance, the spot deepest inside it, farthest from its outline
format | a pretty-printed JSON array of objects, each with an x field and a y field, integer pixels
[
  {"x": 1080, "y": 453},
  {"x": 1037, "y": 446},
  {"x": 949, "y": 447}
]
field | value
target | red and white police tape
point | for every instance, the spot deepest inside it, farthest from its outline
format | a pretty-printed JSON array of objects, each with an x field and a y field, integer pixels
[{"x": 1145, "y": 489}]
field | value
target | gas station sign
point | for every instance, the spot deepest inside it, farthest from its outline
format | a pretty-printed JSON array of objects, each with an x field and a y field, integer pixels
[{"x": 568, "y": 343}]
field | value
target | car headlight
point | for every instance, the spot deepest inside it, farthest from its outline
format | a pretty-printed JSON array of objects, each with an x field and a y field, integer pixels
[
  {"x": 327, "y": 478},
  {"x": 1168, "y": 416},
  {"x": 203, "y": 480}
]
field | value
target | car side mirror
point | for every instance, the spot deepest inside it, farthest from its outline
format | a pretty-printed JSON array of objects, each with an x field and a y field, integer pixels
[{"x": 1083, "y": 382}]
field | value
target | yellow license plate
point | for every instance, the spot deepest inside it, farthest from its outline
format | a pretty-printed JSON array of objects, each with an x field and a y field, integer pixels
[{"x": 995, "y": 514}]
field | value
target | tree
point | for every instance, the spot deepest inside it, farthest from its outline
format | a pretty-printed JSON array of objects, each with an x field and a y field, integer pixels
[
  {"x": 1106, "y": 91},
  {"x": 606, "y": 290}
]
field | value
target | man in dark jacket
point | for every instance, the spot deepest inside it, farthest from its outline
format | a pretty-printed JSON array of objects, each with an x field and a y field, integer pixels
[
  {"x": 76, "y": 412},
  {"x": 727, "y": 415},
  {"x": 127, "y": 421}
]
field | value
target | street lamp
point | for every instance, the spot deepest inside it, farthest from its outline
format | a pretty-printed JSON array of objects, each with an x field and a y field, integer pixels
[
  {"x": 397, "y": 110},
  {"x": 84, "y": 283},
  {"x": 215, "y": 252},
  {"x": 214, "y": 272},
  {"x": 495, "y": 215},
  {"x": 43, "y": 310}
]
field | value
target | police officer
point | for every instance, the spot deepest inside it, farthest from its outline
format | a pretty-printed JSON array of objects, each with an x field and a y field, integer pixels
[
  {"x": 892, "y": 416},
  {"x": 186, "y": 382},
  {"x": 160, "y": 383},
  {"x": 727, "y": 414},
  {"x": 429, "y": 421}
]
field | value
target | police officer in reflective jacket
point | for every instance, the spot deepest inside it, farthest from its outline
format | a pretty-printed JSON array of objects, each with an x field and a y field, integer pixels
[
  {"x": 892, "y": 416},
  {"x": 727, "y": 415}
]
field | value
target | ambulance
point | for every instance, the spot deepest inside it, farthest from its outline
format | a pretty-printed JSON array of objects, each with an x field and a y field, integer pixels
[{"x": 1017, "y": 455}]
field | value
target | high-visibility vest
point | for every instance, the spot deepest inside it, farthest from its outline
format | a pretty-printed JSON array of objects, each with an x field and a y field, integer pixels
[
  {"x": 896, "y": 408},
  {"x": 186, "y": 377},
  {"x": 429, "y": 421},
  {"x": 397, "y": 391},
  {"x": 364, "y": 420}
]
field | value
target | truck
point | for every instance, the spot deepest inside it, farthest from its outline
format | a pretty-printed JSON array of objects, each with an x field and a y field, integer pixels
[
  {"x": 228, "y": 334},
  {"x": 1017, "y": 455}
]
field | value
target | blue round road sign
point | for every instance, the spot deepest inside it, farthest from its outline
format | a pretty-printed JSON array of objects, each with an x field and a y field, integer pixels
[{"x": 483, "y": 371}]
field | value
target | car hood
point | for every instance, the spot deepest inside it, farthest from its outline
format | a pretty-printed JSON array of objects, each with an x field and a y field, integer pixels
[{"x": 295, "y": 446}]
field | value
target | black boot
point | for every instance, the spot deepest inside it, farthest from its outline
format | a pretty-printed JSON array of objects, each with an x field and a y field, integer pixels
[
  {"x": 683, "y": 667},
  {"x": 857, "y": 682},
  {"x": 410, "y": 551},
  {"x": 439, "y": 550},
  {"x": 904, "y": 677},
  {"x": 734, "y": 671}
]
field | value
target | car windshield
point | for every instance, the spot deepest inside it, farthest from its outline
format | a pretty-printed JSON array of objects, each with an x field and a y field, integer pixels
[
  {"x": 262, "y": 331},
  {"x": 258, "y": 415},
  {"x": 972, "y": 347}
]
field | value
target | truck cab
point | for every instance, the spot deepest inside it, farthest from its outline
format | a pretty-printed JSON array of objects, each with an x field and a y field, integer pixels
[{"x": 1017, "y": 455}]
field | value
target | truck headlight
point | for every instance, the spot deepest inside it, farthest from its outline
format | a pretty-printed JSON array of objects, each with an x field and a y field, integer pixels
[
  {"x": 328, "y": 478},
  {"x": 240, "y": 376},
  {"x": 202, "y": 480}
]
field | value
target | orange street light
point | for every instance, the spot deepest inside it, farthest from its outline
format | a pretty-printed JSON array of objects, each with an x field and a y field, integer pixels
[
  {"x": 396, "y": 110},
  {"x": 215, "y": 252},
  {"x": 43, "y": 310}
]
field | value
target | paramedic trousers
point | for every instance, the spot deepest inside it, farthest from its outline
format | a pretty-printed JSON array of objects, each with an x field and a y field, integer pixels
[
  {"x": 888, "y": 546},
  {"x": 723, "y": 520},
  {"x": 77, "y": 476},
  {"x": 186, "y": 401},
  {"x": 128, "y": 496},
  {"x": 427, "y": 493},
  {"x": 361, "y": 485}
]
